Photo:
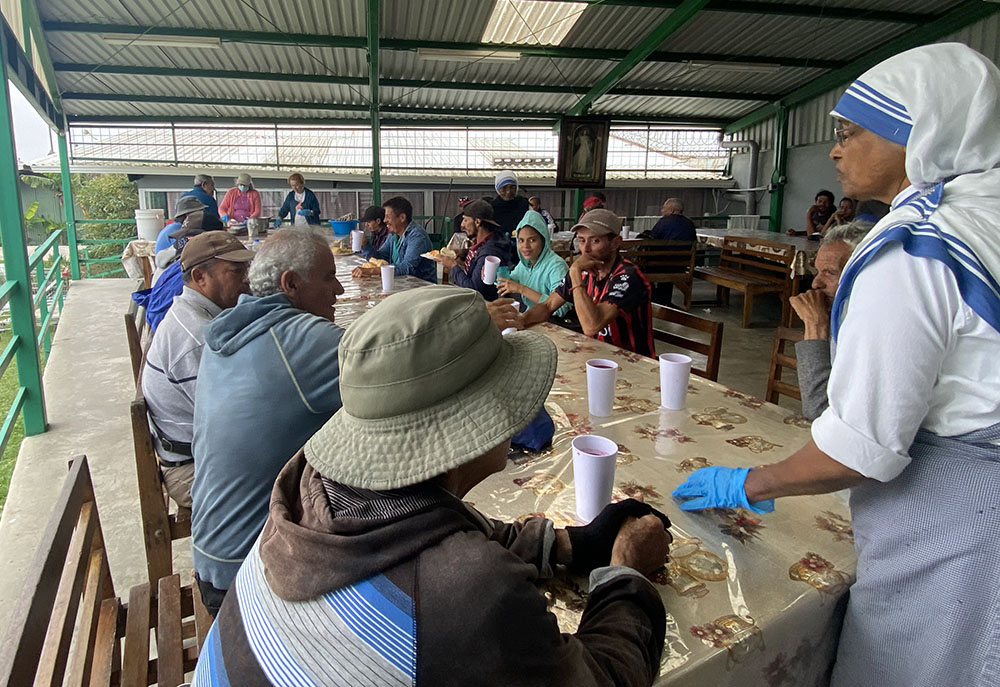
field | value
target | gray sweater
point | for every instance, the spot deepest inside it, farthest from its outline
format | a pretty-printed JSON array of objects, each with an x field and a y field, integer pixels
[{"x": 814, "y": 365}]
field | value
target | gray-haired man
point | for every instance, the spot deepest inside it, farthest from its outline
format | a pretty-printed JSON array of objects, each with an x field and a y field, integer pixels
[
  {"x": 813, "y": 307},
  {"x": 204, "y": 190}
]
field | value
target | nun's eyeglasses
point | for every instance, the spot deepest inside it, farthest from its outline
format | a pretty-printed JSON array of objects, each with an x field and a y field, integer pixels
[{"x": 843, "y": 133}]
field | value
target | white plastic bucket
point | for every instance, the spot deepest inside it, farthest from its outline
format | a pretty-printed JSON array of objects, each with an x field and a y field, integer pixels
[{"x": 149, "y": 223}]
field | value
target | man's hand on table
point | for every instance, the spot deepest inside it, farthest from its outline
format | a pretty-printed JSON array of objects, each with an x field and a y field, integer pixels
[
  {"x": 642, "y": 544},
  {"x": 363, "y": 272},
  {"x": 813, "y": 309},
  {"x": 504, "y": 314},
  {"x": 718, "y": 487},
  {"x": 594, "y": 545}
]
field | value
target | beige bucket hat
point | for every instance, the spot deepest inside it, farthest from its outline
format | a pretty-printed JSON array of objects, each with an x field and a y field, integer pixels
[
  {"x": 244, "y": 179},
  {"x": 428, "y": 383}
]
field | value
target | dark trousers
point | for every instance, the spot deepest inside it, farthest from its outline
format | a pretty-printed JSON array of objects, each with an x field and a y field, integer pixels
[
  {"x": 663, "y": 293},
  {"x": 211, "y": 596}
]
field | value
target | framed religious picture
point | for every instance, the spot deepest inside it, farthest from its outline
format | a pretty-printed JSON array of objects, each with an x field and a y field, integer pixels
[{"x": 583, "y": 152}]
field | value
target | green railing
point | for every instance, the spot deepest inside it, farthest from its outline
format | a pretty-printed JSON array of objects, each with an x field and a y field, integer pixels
[
  {"x": 87, "y": 245},
  {"x": 48, "y": 288}
]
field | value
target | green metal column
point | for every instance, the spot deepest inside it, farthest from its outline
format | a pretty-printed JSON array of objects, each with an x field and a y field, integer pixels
[
  {"x": 15, "y": 257},
  {"x": 67, "y": 193},
  {"x": 373, "y": 9},
  {"x": 577, "y": 208},
  {"x": 779, "y": 176}
]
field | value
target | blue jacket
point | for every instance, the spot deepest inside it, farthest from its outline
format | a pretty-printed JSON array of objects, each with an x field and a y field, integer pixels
[
  {"x": 496, "y": 245},
  {"x": 158, "y": 299},
  {"x": 268, "y": 380},
  {"x": 199, "y": 193},
  {"x": 163, "y": 239},
  {"x": 309, "y": 203},
  {"x": 412, "y": 243}
]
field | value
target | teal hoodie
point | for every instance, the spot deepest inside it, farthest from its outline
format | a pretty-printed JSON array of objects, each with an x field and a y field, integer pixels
[
  {"x": 548, "y": 271},
  {"x": 268, "y": 380}
]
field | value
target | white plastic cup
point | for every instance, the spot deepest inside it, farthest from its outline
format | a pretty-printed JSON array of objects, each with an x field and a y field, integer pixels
[
  {"x": 388, "y": 277},
  {"x": 357, "y": 237},
  {"x": 594, "y": 460},
  {"x": 675, "y": 370},
  {"x": 490, "y": 269},
  {"x": 601, "y": 377}
]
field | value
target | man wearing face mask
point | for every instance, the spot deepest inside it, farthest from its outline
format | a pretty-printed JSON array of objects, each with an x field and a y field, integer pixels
[
  {"x": 241, "y": 202},
  {"x": 508, "y": 207}
]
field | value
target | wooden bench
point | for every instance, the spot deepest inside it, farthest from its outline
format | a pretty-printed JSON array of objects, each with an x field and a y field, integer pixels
[
  {"x": 160, "y": 527},
  {"x": 755, "y": 267},
  {"x": 781, "y": 361},
  {"x": 664, "y": 262},
  {"x": 135, "y": 331},
  {"x": 71, "y": 628},
  {"x": 712, "y": 349}
]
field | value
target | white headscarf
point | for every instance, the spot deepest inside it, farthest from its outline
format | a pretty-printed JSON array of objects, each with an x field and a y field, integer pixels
[{"x": 942, "y": 102}]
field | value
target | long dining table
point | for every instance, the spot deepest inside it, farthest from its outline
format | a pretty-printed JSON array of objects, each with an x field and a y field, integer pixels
[
  {"x": 750, "y": 599},
  {"x": 803, "y": 263}
]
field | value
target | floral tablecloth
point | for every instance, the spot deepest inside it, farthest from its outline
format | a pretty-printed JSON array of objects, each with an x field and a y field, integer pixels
[
  {"x": 750, "y": 599},
  {"x": 805, "y": 249},
  {"x": 361, "y": 295}
]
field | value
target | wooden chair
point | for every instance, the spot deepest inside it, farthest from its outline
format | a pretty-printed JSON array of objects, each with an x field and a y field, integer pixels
[
  {"x": 160, "y": 527},
  {"x": 664, "y": 262},
  {"x": 755, "y": 267},
  {"x": 781, "y": 361},
  {"x": 135, "y": 329},
  {"x": 70, "y": 624},
  {"x": 712, "y": 350}
]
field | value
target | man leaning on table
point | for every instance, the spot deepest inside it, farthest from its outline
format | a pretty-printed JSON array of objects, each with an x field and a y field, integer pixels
[
  {"x": 372, "y": 570},
  {"x": 406, "y": 243},
  {"x": 914, "y": 418},
  {"x": 813, "y": 354},
  {"x": 610, "y": 294}
]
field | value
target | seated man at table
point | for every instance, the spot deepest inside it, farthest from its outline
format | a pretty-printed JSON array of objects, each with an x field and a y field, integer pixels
[
  {"x": 214, "y": 268},
  {"x": 268, "y": 380},
  {"x": 817, "y": 215},
  {"x": 372, "y": 570},
  {"x": 488, "y": 240},
  {"x": 404, "y": 247},
  {"x": 204, "y": 190},
  {"x": 610, "y": 294},
  {"x": 673, "y": 225},
  {"x": 374, "y": 221},
  {"x": 813, "y": 307}
]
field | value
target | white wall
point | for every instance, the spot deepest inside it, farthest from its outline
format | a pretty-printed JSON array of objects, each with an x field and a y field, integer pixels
[{"x": 809, "y": 170}]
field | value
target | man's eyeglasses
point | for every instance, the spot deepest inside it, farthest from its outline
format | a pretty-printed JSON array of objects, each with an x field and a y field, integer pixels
[{"x": 842, "y": 133}]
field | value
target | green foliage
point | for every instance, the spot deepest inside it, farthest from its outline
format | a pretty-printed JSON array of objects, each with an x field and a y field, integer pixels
[
  {"x": 47, "y": 182},
  {"x": 105, "y": 196},
  {"x": 37, "y": 227}
]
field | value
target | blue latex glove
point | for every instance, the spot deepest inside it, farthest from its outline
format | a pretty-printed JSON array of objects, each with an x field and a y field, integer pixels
[
  {"x": 277, "y": 223},
  {"x": 718, "y": 487},
  {"x": 225, "y": 218},
  {"x": 304, "y": 212}
]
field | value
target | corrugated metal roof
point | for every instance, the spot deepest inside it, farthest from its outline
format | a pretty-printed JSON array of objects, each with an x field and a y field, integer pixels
[
  {"x": 672, "y": 75},
  {"x": 639, "y": 106},
  {"x": 445, "y": 99},
  {"x": 914, "y": 6},
  {"x": 396, "y": 64}
]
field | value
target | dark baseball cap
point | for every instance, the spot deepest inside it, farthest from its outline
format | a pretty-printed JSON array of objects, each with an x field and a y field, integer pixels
[
  {"x": 210, "y": 245},
  {"x": 481, "y": 210},
  {"x": 374, "y": 212}
]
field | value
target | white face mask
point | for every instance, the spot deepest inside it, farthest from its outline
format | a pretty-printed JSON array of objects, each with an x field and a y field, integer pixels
[{"x": 242, "y": 187}]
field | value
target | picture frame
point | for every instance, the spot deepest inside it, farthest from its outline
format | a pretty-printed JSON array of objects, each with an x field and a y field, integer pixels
[{"x": 583, "y": 152}]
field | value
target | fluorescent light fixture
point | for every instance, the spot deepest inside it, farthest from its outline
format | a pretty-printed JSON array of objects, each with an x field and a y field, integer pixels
[
  {"x": 447, "y": 55},
  {"x": 161, "y": 41},
  {"x": 724, "y": 66},
  {"x": 531, "y": 22}
]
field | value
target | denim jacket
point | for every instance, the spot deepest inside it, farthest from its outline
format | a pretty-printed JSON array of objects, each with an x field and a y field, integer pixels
[{"x": 413, "y": 242}]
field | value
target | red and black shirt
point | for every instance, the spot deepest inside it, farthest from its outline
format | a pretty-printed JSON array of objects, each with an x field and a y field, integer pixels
[{"x": 626, "y": 287}]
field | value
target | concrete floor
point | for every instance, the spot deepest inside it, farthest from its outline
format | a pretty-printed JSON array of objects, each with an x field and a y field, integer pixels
[{"x": 88, "y": 387}]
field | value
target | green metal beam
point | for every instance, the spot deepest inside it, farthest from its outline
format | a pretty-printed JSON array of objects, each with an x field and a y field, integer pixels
[
  {"x": 350, "y": 107},
  {"x": 372, "y": 55},
  {"x": 23, "y": 76},
  {"x": 783, "y": 10},
  {"x": 32, "y": 19},
  {"x": 68, "y": 209},
  {"x": 673, "y": 23},
  {"x": 22, "y": 312},
  {"x": 306, "y": 39},
  {"x": 967, "y": 13},
  {"x": 235, "y": 74}
]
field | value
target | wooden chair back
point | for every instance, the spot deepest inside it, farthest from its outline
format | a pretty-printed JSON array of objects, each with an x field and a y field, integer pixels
[
  {"x": 712, "y": 349},
  {"x": 135, "y": 330},
  {"x": 160, "y": 527},
  {"x": 69, "y": 624},
  {"x": 780, "y": 361},
  {"x": 661, "y": 261},
  {"x": 767, "y": 260}
]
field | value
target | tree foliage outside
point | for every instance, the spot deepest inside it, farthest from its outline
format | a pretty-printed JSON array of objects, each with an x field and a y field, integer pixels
[{"x": 105, "y": 196}]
